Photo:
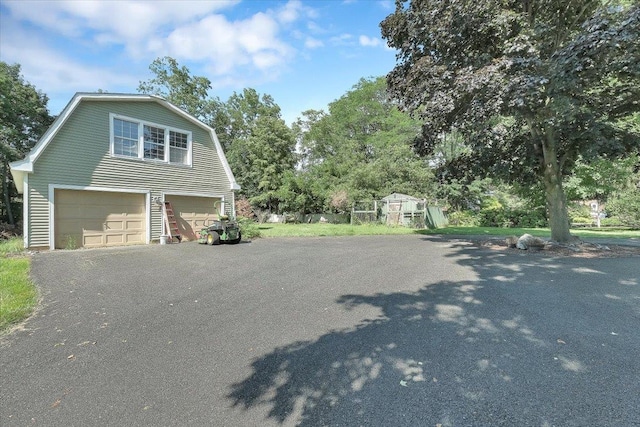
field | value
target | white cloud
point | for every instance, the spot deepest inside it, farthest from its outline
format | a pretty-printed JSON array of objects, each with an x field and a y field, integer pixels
[
  {"x": 315, "y": 28},
  {"x": 52, "y": 71},
  {"x": 370, "y": 41},
  {"x": 226, "y": 45},
  {"x": 120, "y": 22},
  {"x": 342, "y": 39},
  {"x": 311, "y": 43},
  {"x": 290, "y": 12},
  {"x": 185, "y": 30},
  {"x": 387, "y": 4}
]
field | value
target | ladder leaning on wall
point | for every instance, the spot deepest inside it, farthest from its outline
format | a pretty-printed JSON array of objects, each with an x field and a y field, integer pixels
[{"x": 170, "y": 222}]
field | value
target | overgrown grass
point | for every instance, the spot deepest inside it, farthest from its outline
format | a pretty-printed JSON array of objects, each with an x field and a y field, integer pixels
[
  {"x": 11, "y": 247},
  {"x": 18, "y": 295},
  {"x": 316, "y": 230}
]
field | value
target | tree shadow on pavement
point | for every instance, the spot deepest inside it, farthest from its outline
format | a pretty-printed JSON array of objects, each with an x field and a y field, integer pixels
[{"x": 521, "y": 345}]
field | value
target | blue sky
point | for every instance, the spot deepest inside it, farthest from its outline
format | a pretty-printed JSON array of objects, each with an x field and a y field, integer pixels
[{"x": 305, "y": 54}]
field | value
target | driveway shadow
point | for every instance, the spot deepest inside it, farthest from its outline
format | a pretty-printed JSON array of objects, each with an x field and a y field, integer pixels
[{"x": 533, "y": 341}]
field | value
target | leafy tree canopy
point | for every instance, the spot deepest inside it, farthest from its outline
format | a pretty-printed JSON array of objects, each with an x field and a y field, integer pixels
[
  {"x": 258, "y": 144},
  {"x": 530, "y": 85},
  {"x": 362, "y": 147},
  {"x": 24, "y": 117},
  {"x": 176, "y": 84},
  {"x": 599, "y": 178}
]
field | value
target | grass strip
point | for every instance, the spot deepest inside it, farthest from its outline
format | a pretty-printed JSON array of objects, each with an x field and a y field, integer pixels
[
  {"x": 18, "y": 295},
  {"x": 317, "y": 230},
  {"x": 322, "y": 230},
  {"x": 608, "y": 233}
]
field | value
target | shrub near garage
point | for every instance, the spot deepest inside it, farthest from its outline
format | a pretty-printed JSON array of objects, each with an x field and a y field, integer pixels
[{"x": 248, "y": 227}]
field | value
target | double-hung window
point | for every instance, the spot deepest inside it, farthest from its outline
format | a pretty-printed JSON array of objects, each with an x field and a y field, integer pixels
[
  {"x": 153, "y": 143},
  {"x": 125, "y": 138},
  {"x": 148, "y": 141}
]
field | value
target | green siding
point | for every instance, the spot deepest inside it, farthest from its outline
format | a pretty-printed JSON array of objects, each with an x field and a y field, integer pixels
[{"x": 79, "y": 155}]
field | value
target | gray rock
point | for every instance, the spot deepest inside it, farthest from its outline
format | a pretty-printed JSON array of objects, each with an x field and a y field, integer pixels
[
  {"x": 511, "y": 241},
  {"x": 527, "y": 241}
]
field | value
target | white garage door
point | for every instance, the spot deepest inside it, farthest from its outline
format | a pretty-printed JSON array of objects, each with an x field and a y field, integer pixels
[
  {"x": 96, "y": 218},
  {"x": 193, "y": 213}
]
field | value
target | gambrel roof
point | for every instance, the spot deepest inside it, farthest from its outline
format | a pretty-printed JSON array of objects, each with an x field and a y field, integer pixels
[{"x": 22, "y": 167}]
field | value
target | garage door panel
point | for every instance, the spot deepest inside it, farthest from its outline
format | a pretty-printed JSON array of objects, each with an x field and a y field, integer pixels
[
  {"x": 92, "y": 240},
  {"x": 133, "y": 238},
  {"x": 114, "y": 239},
  {"x": 94, "y": 218},
  {"x": 134, "y": 225},
  {"x": 115, "y": 225},
  {"x": 193, "y": 213}
]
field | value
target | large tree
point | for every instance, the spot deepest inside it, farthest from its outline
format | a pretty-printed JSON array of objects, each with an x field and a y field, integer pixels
[
  {"x": 362, "y": 146},
  {"x": 529, "y": 84},
  {"x": 258, "y": 144},
  {"x": 23, "y": 119},
  {"x": 176, "y": 84}
]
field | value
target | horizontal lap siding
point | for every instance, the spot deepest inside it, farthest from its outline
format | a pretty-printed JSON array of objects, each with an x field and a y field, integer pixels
[{"x": 79, "y": 156}]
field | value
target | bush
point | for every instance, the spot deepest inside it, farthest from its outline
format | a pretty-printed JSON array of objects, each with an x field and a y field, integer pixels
[
  {"x": 512, "y": 217},
  {"x": 8, "y": 231},
  {"x": 249, "y": 228},
  {"x": 243, "y": 208},
  {"x": 611, "y": 222},
  {"x": 462, "y": 219},
  {"x": 579, "y": 213},
  {"x": 625, "y": 206},
  {"x": 582, "y": 220}
]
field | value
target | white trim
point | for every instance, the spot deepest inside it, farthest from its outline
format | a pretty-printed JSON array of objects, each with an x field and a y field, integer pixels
[
  {"x": 233, "y": 204},
  {"x": 53, "y": 187},
  {"x": 147, "y": 202},
  {"x": 25, "y": 210},
  {"x": 52, "y": 223},
  {"x": 223, "y": 159},
  {"x": 187, "y": 194},
  {"x": 18, "y": 179},
  {"x": 105, "y": 189}
]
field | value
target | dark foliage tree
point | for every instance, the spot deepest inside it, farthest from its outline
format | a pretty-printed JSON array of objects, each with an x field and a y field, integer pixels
[
  {"x": 24, "y": 117},
  {"x": 530, "y": 85}
]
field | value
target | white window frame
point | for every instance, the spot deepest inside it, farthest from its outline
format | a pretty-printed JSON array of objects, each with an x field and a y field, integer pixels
[{"x": 167, "y": 147}]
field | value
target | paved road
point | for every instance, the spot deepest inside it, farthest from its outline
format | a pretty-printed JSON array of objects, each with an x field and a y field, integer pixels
[{"x": 371, "y": 331}]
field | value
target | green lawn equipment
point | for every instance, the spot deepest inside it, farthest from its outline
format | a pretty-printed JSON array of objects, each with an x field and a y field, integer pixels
[{"x": 220, "y": 231}]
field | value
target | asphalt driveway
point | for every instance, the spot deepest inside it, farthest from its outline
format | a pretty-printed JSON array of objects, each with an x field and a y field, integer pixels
[{"x": 349, "y": 331}]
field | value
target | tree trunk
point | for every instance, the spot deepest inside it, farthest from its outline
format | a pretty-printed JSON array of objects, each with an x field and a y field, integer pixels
[
  {"x": 5, "y": 191},
  {"x": 556, "y": 199}
]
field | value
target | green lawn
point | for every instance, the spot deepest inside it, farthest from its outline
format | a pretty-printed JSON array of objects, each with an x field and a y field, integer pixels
[
  {"x": 314, "y": 230},
  {"x": 18, "y": 295},
  {"x": 609, "y": 233}
]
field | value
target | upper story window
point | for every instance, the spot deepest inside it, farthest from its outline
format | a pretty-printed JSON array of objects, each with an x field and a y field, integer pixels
[
  {"x": 125, "y": 138},
  {"x": 178, "y": 147},
  {"x": 148, "y": 141}
]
